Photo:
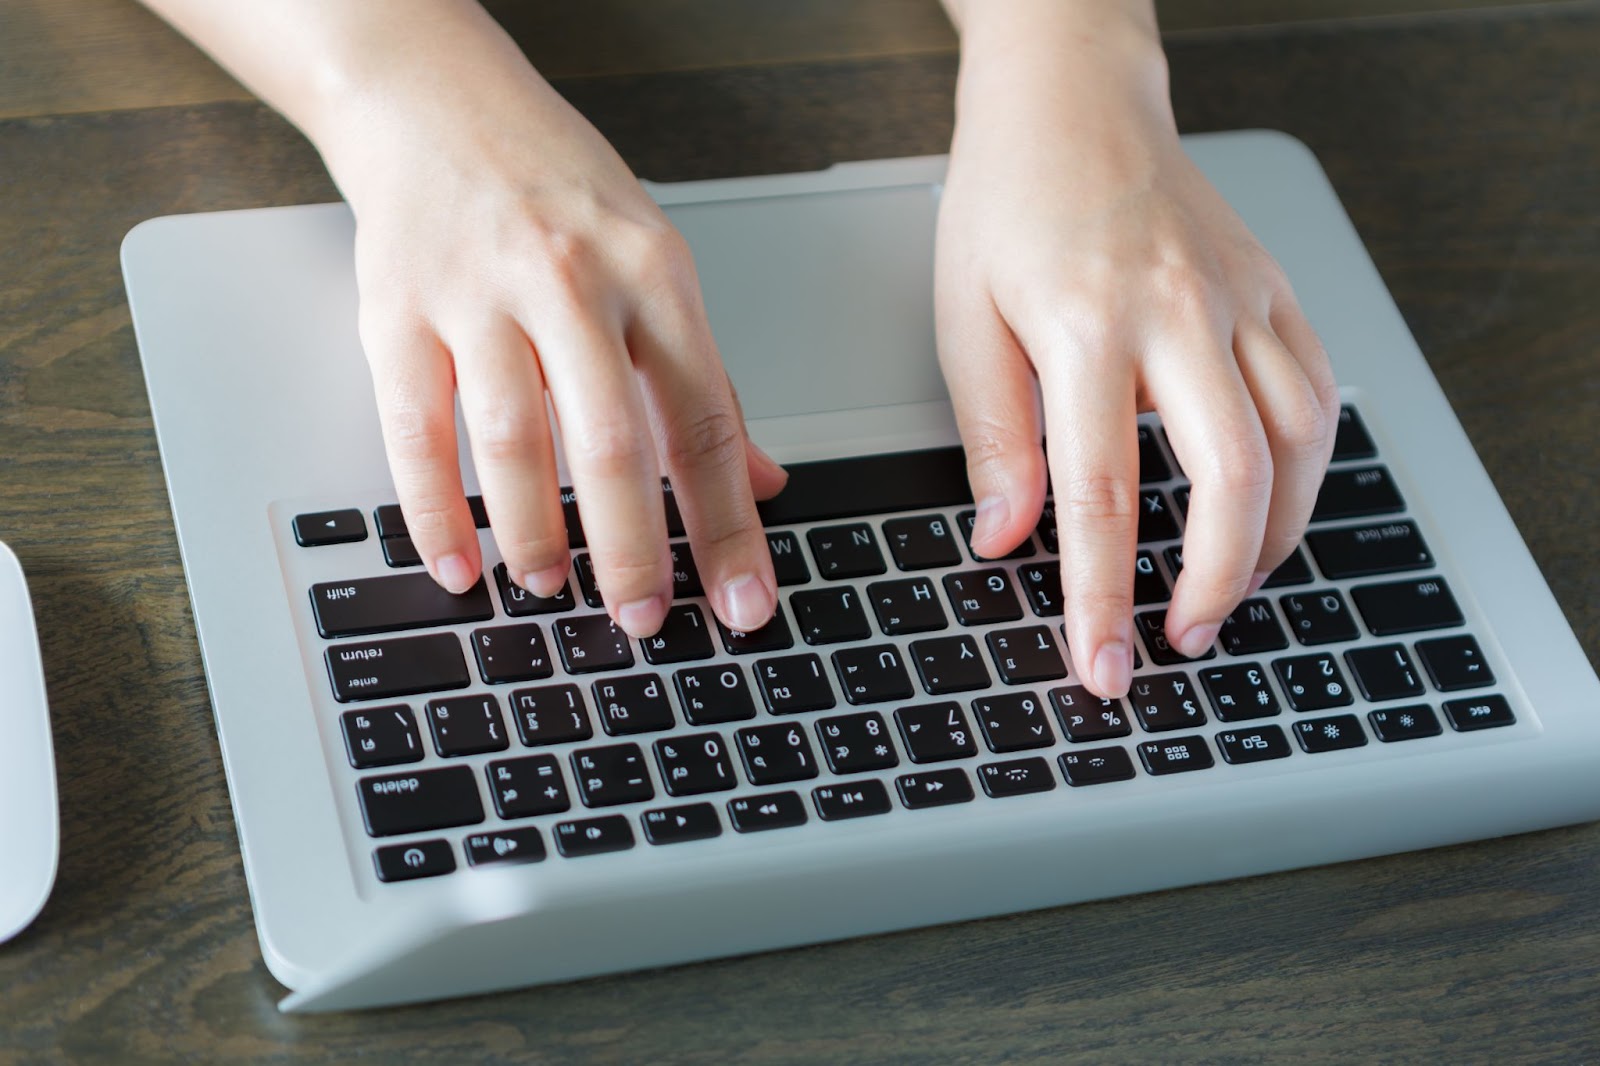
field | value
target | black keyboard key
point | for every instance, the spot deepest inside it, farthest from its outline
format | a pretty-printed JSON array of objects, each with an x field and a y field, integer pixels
[
  {"x": 936, "y": 732},
  {"x": 1257, "y": 744},
  {"x": 695, "y": 764},
  {"x": 774, "y": 810},
  {"x": 908, "y": 606},
  {"x": 872, "y": 674},
  {"x": 829, "y": 615},
  {"x": 419, "y": 801},
  {"x": 400, "y": 551},
  {"x": 1384, "y": 672},
  {"x": 949, "y": 664},
  {"x": 1013, "y": 721},
  {"x": 845, "y": 551},
  {"x": 1164, "y": 702},
  {"x": 592, "y": 642},
  {"x": 1049, "y": 535},
  {"x": 774, "y": 636},
  {"x": 788, "y": 564},
  {"x": 1152, "y": 625},
  {"x": 466, "y": 725},
  {"x": 1351, "y": 440},
  {"x": 588, "y": 584},
  {"x": 852, "y": 799},
  {"x": 1026, "y": 656},
  {"x": 611, "y": 775},
  {"x": 1251, "y": 629},
  {"x": 980, "y": 597},
  {"x": 1156, "y": 521},
  {"x": 393, "y": 602},
  {"x": 1239, "y": 692},
  {"x": 1295, "y": 570},
  {"x": 1454, "y": 663},
  {"x": 685, "y": 575},
  {"x": 683, "y": 637},
  {"x": 1357, "y": 493},
  {"x": 505, "y": 847},
  {"x": 550, "y": 714},
  {"x": 793, "y": 684},
  {"x": 968, "y": 520},
  {"x": 1409, "y": 606},
  {"x": 407, "y": 862},
  {"x": 520, "y": 603},
  {"x": 856, "y": 743},
  {"x": 527, "y": 787},
  {"x": 1319, "y": 617},
  {"x": 390, "y": 520},
  {"x": 512, "y": 653},
  {"x": 1016, "y": 777},
  {"x": 1152, "y": 464},
  {"x": 1149, "y": 586},
  {"x": 1175, "y": 755},
  {"x": 1404, "y": 723},
  {"x": 669, "y": 501},
  {"x": 633, "y": 704},
  {"x": 773, "y": 754},
  {"x": 1180, "y": 499},
  {"x": 921, "y": 543},
  {"x": 934, "y": 788},
  {"x": 572, "y": 517},
  {"x": 678, "y": 825},
  {"x": 1366, "y": 551},
  {"x": 1313, "y": 682},
  {"x": 383, "y": 669},
  {"x": 382, "y": 736},
  {"x": 1086, "y": 717},
  {"x": 1479, "y": 712},
  {"x": 1337, "y": 733},
  {"x": 479, "y": 512},
  {"x": 593, "y": 836},
  {"x": 711, "y": 695},
  {"x": 1041, "y": 584},
  {"x": 329, "y": 527},
  {"x": 1096, "y": 766}
]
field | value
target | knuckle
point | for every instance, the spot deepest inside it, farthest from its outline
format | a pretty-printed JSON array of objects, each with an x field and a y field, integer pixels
[
  {"x": 609, "y": 449},
  {"x": 710, "y": 437},
  {"x": 629, "y": 574},
  {"x": 1098, "y": 502},
  {"x": 505, "y": 433},
  {"x": 1240, "y": 468},
  {"x": 659, "y": 250},
  {"x": 430, "y": 515},
  {"x": 418, "y": 435},
  {"x": 534, "y": 553}
]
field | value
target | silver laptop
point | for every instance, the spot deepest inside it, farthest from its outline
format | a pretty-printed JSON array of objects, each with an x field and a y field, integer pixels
[{"x": 440, "y": 796}]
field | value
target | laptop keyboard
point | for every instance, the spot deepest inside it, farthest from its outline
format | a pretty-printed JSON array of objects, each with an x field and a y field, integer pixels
[{"x": 902, "y": 674}]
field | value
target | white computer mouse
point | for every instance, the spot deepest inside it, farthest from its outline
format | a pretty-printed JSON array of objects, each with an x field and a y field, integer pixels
[{"x": 29, "y": 830}]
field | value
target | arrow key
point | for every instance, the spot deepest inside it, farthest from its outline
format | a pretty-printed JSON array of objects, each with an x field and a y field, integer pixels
[{"x": 675, "y": 825}]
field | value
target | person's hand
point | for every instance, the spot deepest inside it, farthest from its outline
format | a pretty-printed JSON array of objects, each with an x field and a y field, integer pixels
[
  {"x": 1083, "y": 261},
  {"x": 504, "y": 250}
]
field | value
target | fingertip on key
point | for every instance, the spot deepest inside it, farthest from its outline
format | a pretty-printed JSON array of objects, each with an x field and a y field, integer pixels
[
  {"x": 1197, "y": 640},
  {"x": 749, "y": 603},
  {"x": 1113, "y": 669},
  {"x": 546, "y": 583},
  {"x": 455, "y": 573},
  {"x": 642, "y": 618}
]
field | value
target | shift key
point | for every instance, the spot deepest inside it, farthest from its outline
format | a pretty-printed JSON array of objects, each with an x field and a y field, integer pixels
[
  {"x": 401, "y": 666},
  {"x": 395, "y": 601}
]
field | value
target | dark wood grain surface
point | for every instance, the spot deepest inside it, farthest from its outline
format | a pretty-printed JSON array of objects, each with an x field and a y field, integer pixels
[{"x": 1467, "y": 149}]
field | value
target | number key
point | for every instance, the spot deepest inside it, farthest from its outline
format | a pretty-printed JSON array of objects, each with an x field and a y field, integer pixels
[
  {"x": 1086, "y": 717},
  {"x": 694, "y": 764},
  {"x": 855, "y": 743},
  {"x": 775, "y": 753},
  {"x": 935, "y": 732}
]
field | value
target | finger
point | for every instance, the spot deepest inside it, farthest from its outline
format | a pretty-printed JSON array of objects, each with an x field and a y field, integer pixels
[
  {"x": 996, "y": 402},
  {"x": 1215, "y": 431},
  {"x": 702, "y": 441},
  {"x": 1094, "y": 465},
  {"x": 503, "y": 404},
  {"x": 415, "y": 390},
  {"x": 606, "y": 436},
  {"x": 767, "y": 477}
]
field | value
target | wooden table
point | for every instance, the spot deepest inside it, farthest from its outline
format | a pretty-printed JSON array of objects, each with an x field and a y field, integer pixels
[{"x": 1467, "y": 148}]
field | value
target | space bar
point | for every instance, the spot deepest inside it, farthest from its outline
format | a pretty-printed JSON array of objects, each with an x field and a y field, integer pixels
[{"x": 870, "y": 484}]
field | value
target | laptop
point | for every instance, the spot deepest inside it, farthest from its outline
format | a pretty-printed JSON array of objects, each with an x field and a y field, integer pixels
[{"x": 486, "y": 792}]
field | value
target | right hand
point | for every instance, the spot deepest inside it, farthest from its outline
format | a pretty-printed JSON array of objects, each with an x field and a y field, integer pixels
[{"x": 503, "y": 251}]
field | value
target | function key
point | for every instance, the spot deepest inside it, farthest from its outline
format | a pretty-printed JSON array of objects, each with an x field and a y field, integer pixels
[
  {"x": 773, "y": 754},
  {"x": 1152, "y": 625},
  {"x": 419, "y": 801},
  {"x": 1366, "y": 551},
  {"x": 934, "y": 788},
  {"x": 550, "y": 714},
  {"x": 678, "y": 825},
  {"x": 593, "y": 836},
  {"x": 829, "y": 615},
  {"x": 407, "y": 862},
  {"x": 511, "y": 653},
  {"x": 1152, "y": 464},
  {"x": 967, "y": 520},
  {"x": 949, "y": 664},
  {"x": 1407, "y": 606},
  {"x": 1165, "y": 702},
  {"x": 982, "y": 596},
  {"x": 1251, "y": 629},
  {"x": 1480, "y": 712},
  {"x": 399, "y": 551},
  {"x": 1239, "y": 692},
  {"x": 906, "y": 606},
  {"x": 1404, "y": 723},
  {"x": 1294, "y": 570},
  {"x": 1013, "y": 721},
  {"x": 856, "y": 743},
  {"x": 329, "y": 527},
  {"x": 381, "y": 669},
  {"x": 382, "y": 736},
  {"x": 1096, "y": 766},
  {"x": 1454, "y": 663},
  {"x": 527, "y": 787},
  {"x": 1319, "y": 617},
  {"x": 1313, "y": 682},
  {"x": 393, "y": 602},
  {"x": 788, "y": 564},
  {"x": 851, "y": 799},
  {"x": 634, "y": 704},
  {"x": 467, "y": 725},
  {"x": 1384, "y": 672},
  {"x": 505, "y": 847},
  {"x": 774, "y": 810},
  {"x": 774, "y": 636},
  {"x": 1016, "y": 777},
  {"x": 1155, "y": 517},
  {"x": 846, "y": 551},
  {"x": 1357, "y": 493},
  {"x": 921, "y": 543},
  {"x": 1175, "y": 755},
  {"x": 683, "y": 637},
  {"x": 792, "y": 684},
  {"x": 1257, "y": 744},
  {"x": 611, "y": 775},
  {"x": 872, "y": 674},
  {"x": 695, "y": 764},
  {"x": 935, "y": 732},
  {"x": 592, "y": 642},
  {"x": 711, "y": 695},
  {"x": 1086, "y": 717},
  {"x": 1351, "y": 440},
  {"x": 519, "y": 602},
  {"x": 1341, "y": 731}
]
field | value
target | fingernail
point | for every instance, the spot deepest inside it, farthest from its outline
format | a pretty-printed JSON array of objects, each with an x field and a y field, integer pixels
[
  {"x": 641, "y": 618},
  {"x": 454, "y": 573},
  {"x": 748, "y": 602},
  {"x": 1113, "y": 668},
  {"x": 1198, "y": 640},
  {"x": 993, "y": 513},
  {"x": 546, "y": 583},
  {"x": 1259, "y": 579}
]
